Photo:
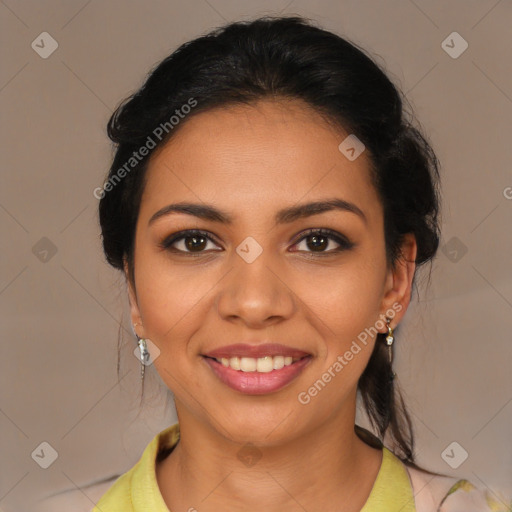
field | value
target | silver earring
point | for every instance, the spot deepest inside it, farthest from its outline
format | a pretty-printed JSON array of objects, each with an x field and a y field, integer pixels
[
  {"x": 144, "y": 352},
  {"x": 389, "y": 342},
  {"x": 144, "y": 355}
]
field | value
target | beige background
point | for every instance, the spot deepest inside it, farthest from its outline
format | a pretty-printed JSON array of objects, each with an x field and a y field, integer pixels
[{"x": 60, "y": 316}]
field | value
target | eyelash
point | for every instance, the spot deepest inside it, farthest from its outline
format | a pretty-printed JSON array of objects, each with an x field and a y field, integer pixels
[{"x": 343, "y": 242}]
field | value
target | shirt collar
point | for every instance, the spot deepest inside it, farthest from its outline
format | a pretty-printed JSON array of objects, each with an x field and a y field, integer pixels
[{"x": 392, "y": 489}]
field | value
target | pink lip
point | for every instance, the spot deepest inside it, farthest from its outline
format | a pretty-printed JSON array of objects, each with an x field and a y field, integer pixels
[
  {"x": 256, "y": 383},
  {"x": 245, "y": 350}
]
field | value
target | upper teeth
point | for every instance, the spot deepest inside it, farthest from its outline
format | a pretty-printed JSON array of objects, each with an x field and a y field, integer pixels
[{"x": 261, "y": 364}]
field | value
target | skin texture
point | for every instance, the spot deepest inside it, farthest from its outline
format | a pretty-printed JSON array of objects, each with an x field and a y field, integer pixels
[{"x": 251, "y": 161}]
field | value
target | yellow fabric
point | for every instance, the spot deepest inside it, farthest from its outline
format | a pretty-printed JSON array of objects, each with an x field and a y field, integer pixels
[
  {"x": 392, "y": 489},
  {"x": 137, "y": 490}
]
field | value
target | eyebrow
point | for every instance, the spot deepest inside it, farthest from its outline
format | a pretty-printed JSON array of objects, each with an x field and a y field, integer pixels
[{"x": 284, "y": 216}]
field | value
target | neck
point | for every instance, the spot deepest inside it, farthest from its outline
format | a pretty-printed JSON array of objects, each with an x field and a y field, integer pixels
[{"x": 321, "y": 466}]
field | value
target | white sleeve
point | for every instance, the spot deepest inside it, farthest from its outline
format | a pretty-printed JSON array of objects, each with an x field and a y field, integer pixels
[{"x": 434, "y": 493}]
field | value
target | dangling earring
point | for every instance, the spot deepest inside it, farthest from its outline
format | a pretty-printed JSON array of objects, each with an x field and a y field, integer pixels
[
  {"x": 144, "y": 352},
  {"x": 144, "y": 355},
  {"x": 389, "y": 342}
]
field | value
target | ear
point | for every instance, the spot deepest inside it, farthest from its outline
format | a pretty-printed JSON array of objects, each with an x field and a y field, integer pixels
[
  {"x": 397, "y": 293},
  {"x": 135, "y": 316}
]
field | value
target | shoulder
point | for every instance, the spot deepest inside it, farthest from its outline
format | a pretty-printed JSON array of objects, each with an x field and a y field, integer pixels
[
  {"x": 77, "y": 499},
  {"x": 126, "y": 492},
  {"x": 118, "y": 496},
  {"x": 138, "y": 487},
  {"x": 434, "y": 493}
]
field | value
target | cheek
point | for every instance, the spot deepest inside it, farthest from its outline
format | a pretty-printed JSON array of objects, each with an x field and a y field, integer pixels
[
  {"x": 172, "y": 302},
  {"x": 173, "y": 309},
  {"x": 346, "y": 299},
  {"x": 344, "y": 315},
  {"x": 344, "y": 307},
  {"x": 170, "y": 297}
]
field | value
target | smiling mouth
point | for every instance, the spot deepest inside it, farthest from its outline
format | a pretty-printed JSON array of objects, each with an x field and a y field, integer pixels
[{"x": 265, "y": 364}]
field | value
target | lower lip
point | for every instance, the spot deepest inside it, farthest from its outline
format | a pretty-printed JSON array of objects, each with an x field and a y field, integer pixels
[{"x": 257, "y": 383}]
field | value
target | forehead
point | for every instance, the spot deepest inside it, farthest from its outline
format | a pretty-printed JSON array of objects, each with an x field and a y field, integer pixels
[{"x": 267, "y": 154}]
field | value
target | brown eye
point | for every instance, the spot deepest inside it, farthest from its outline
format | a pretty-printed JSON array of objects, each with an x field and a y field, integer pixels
[
  {"x": 319, "y": 240},
  {"x": 190, "y": 241},
  {"x": 195, "y": 242}
]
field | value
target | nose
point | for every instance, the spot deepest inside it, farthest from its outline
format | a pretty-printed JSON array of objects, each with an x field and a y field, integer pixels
[{"x": 256, "y": 293}]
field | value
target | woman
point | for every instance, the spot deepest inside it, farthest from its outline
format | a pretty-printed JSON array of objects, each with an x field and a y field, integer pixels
[{"x": 270, "y": 204}]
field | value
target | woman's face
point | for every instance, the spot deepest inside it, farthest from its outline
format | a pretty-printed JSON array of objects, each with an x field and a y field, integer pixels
[{"x": 261, "y": 277}]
